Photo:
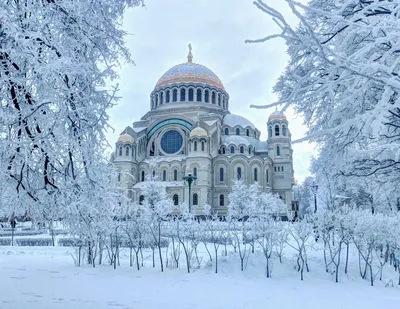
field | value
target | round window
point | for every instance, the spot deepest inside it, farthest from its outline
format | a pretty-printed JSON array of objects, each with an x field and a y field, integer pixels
[{"x": 171, "y": 142}]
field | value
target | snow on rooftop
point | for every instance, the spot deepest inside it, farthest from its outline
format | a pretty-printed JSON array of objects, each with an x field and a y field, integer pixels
[
  {"x": 210, "y": 122},
  {"x": 239, "y": 140},
  {"x": 155, "y": 160},
  {"x": 139, "y": 129},
  {"x": 262, "y": 146},
  {"x": 233, "y": 120}
]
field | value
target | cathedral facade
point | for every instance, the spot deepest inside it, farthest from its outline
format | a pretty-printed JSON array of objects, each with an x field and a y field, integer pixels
[{"x": 189, "y": 130}]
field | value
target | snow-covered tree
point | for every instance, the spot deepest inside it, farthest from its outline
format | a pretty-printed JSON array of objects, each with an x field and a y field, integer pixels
[
  {"x": 306, "y": 197},
  {"x": 55, "y": 60},
  {"x": 158, "y": 206},
  {"x": 343, "y": 78}
]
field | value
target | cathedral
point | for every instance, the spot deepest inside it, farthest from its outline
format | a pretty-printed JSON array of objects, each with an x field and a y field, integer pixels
[{"x": 189, "y": 131}]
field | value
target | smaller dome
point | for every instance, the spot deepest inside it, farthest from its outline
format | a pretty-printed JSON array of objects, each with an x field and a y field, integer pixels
[
  {"x": 198, "y": 131},
  {"x": 277, "y": 115},
  {"x": 233, "y": 120},
  {"x": 125, "y": 138}
]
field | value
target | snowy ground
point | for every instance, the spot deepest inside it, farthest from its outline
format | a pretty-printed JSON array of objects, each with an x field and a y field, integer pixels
[{"x": 46, "y": 278}]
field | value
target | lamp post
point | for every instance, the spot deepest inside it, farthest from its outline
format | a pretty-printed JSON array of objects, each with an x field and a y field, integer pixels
[
  {"x": 314, "y": 189},
  {"x": 189, "y": 179}
]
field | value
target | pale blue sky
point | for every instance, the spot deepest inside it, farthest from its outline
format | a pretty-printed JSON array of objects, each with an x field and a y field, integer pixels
[{"x": 217, "y": 29}]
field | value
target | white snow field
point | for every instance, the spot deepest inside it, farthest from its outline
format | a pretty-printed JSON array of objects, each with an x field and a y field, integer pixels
[{"x": 46, "y": 278}]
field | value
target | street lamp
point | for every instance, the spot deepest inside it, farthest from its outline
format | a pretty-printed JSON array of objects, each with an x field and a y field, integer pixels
[
  {"x": 314, "y": 189},
  {"x": 189, "y": 179}
]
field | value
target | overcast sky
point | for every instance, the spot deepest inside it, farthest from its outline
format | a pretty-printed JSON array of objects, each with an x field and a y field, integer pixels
[{"x": 159, "y": 38}]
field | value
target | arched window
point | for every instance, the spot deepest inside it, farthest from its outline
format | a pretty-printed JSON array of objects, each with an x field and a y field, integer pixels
[
  {"x": 267, "y": 176},
  {"x": 120, "y": 151},
  {"x": 276, "y": 130},
  {"x": 282, "y": 169},
  {"x": 161, "y": 98},
  {"x": 241, "y": 149},
  {"x": 247, "y": 132},
  {"x": 237, "y": 131},
  {"x": 239, "y": 173},
  {"x": 164, "y": 175},
  {"x": 249, "y": 150},
  {"x": 191, "y": 95},
  {"x": 213, "y": 97},
  {"x": 183, "y": 95},
  {"x": 167, "y": 98},
  {"x": 176, "y": 199},
  {"x": 195, "y": 146},
  {"x": 232, "y": 149},
  {"x": 141, "y": 199},
  {"x": 284, "y": 130},
  {"x": 154, "y": 174},
  {"x": 195, "y": 199},
  {"x": 255, "y": 174},
  {"x": 198, "y": 99},
  {"x": 226, "y": 131},
  {"x": 219, "y": 99},
  {"x": 127, "y": 150},
  {"x": 195, "y": 172},
  {"x": 156, "y": 99},
  {"x": 221, "y": 200},
  {"x": 206, "y": 96},
  {"x": 223, "y": 102},
  {"x": 174, "y": 95},
  {"x": 278, "y": 151},
  {"x": 221, "y": 174},
  {"x": 119, "y": 177},
  {"x": 270, "y": 131},
  {"x": 202, "y": 146},
  {"x": 223, "y": 150},
  {"x": 175, "y": 175},
  {"x": 275, "y": 169},
  {"x": 142, "y": 175}
]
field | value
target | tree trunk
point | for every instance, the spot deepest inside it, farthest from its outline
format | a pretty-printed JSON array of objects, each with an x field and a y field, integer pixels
[
  {"x": 302, "y": 269},
  {"x": 347, "y": 257},
  {"x": 153, "y": 256},
  {"x": 130, "y": 257},
  {"x": 159, "y": 246},
  {"x": 137, "y": 259},
  {"x": 79, "y": 255},
  {"x": 100, "y": 251},
  {"x": 12, "y": 235},
  {"x": 371, "y": 275},
  {"x": 208, "y": 251},
  {"x": 216, "y": 260},
  {"x": 89, "y": 252}
]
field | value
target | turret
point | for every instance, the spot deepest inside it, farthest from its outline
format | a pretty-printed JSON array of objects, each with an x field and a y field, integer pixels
[
  {"x": 279, "y": 136},
  {"x": 280, "y": 151}
]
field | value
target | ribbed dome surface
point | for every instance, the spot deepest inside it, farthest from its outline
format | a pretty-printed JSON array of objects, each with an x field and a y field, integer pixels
[
  {"x": 126, "y": 138},
  {"x": 189, "y": 73},
  {"x": 198, "y": 132},
  {"x": 277, "y": 115}
]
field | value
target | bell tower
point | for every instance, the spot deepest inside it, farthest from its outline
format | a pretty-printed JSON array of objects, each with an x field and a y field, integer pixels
[{"x": 281, "y": 153}]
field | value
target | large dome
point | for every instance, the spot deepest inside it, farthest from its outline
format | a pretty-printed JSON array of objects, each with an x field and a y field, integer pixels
[{"x": 189, "y": 73}]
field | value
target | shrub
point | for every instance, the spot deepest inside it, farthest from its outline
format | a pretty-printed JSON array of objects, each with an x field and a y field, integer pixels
[{"x": 33, "y": 241}]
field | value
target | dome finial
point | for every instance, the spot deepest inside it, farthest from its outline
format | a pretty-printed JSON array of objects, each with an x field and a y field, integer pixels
[{"x": 190, "y": 56}]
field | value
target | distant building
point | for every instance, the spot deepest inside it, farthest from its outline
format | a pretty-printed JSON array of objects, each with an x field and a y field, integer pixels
[{"x": 189, "y": 130}]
